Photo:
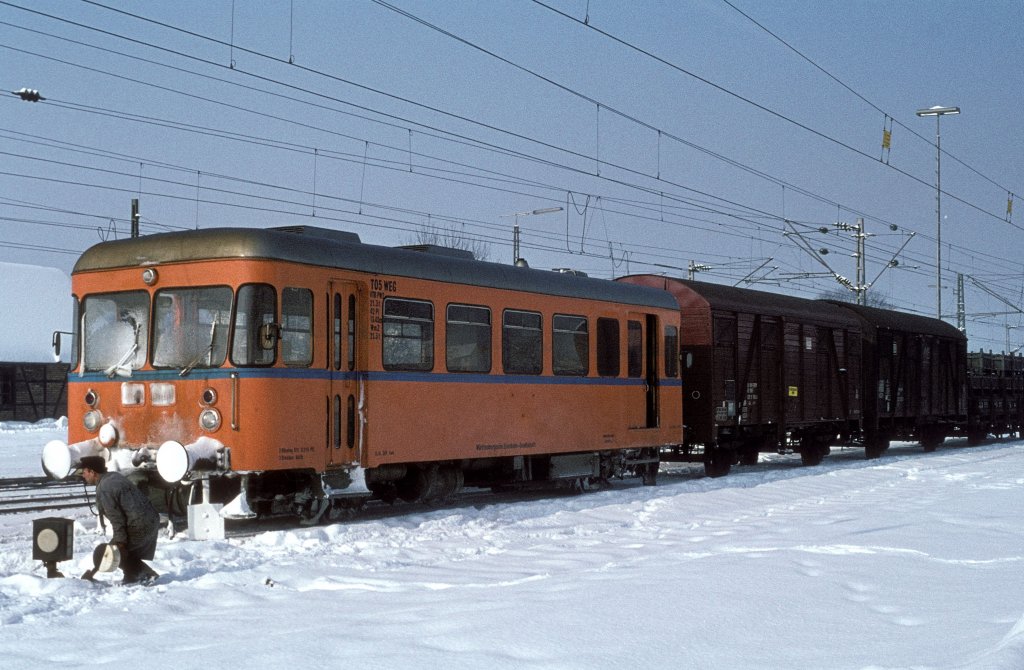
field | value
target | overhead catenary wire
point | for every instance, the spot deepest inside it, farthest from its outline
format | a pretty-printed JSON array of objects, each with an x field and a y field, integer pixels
[{"x": 365, "y": 163}]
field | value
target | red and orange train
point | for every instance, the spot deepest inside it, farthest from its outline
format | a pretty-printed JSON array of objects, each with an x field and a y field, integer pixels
[{"x": 298, "y": 370}]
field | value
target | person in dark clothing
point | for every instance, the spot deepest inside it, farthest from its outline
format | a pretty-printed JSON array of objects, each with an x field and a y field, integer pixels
[{"x": 134, "y": 520}]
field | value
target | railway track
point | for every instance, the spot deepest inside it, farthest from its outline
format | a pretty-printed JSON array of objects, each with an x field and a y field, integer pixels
[{"x": 19, "y": 495}]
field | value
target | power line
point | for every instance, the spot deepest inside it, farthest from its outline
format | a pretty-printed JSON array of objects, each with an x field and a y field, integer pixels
[
  {"x": 861, "y": 97},
  {"x": 768, "y": 110}
]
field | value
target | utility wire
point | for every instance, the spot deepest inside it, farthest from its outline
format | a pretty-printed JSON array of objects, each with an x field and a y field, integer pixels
[
  {"x": 768, "y": 110},
  {"x": 861, "y": 97}
]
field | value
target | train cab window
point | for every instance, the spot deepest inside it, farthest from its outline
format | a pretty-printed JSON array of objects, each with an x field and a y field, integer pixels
[
  {"x": 521, "y": 346},
  {"x": 570, "y": 345},
  {"x": 634, "y": 349},
  {"x": 116, "y": 331},
  {"x": 296, "y": 326},
  {"x": 468, "y": 339},
  {"x": 608, "y": 347},
  {"x": 190, "y": 327},
  {"x": 408, "y": 334},
  {"x": 671, "y": 352},
  {"x": 256, "y": 306}
]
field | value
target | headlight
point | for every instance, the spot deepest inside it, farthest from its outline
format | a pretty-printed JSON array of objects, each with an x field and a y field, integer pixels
[
  {"x": 132, "y": 394},
  {"x": 162, "y": 395},
  {"x": 108, "y": 435},
  {"x": 91, "y": 398},
  {"x": 209, "y": 419},
  {"x": 209, "y": 397},
  {"x": 92, "y": 421}
]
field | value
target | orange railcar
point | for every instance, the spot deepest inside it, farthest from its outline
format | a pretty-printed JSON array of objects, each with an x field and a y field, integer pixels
[{"x": 294, "y": 368}]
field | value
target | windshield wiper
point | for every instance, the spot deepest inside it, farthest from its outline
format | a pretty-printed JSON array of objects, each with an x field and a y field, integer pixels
[
  {"x": 121, "y": 368},
  {"x": 204, "y": 353}
]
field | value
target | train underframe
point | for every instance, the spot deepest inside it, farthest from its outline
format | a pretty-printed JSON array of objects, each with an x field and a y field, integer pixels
[
  {"x": 319, "y": 496},
  {"x": 741, "y": 445}
]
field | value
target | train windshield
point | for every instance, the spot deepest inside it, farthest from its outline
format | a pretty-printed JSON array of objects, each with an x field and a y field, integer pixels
[
  {"x": 116, "y": 328},
  {"x": 190, "y": 327}
]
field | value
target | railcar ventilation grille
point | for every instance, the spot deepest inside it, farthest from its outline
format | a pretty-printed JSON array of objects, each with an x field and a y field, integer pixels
[
  {"x": 324, "y": 233},
  {"x": 440, "y": 250}
]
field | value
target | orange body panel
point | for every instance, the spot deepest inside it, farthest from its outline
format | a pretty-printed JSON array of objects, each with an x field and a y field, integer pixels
[{"x": 282, "y": 417}]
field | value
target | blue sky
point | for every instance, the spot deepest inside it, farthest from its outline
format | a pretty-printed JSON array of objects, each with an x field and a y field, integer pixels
[{"x": 395, "y": 117}]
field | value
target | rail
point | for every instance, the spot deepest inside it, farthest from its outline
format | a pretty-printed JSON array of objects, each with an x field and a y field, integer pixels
[{"x": 20, "y": 495}]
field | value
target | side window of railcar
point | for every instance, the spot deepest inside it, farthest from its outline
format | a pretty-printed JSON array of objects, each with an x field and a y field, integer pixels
[
  {"x": 608, "y": 347},
  {"x": 351, "y": 335},
  {"x": 408, "y": 334},
  {"x": 671, "y": 351},
  {"x": 521, "y": 346},
  {"x": 255, "y": 306},
  {"x": 468, "y": 339},
  {"x": 337, "y": 331},
  {"x": 635, "y": 349},
  {"x": 570, "y": 345},
  {"x": 297, "y": 326}
]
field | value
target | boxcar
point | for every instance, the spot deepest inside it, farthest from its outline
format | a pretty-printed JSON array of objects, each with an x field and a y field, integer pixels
[
  {"x": 994, "y": 401},
  {"x": 915, "y": 378},
  {"x": 762, "y": 372},
  {"x": 290, "y": 369}
]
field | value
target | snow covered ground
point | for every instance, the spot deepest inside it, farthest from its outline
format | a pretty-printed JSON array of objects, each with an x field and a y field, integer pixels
[{"x": 911, "y": 561}]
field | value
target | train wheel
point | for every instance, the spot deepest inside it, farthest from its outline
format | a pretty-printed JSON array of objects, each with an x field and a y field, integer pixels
[
  {"x": 718, "y": 462},
  {"x": 649, "y": 473},
  {"x": 315, "y": 511},
  {"x": 812, "y": 451},
  {"x": 876, "y": 445},
  {"x": 931, "y": 438},
  {"x": 749, "y": 456}
]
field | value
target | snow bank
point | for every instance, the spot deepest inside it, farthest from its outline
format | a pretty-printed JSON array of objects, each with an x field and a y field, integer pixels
[{"x": 32, "y": 316}]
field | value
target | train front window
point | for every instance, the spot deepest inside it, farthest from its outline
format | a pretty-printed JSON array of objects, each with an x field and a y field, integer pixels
[
  {"x": 116, "y": 332},
  {"x": 190, "y": 327}
]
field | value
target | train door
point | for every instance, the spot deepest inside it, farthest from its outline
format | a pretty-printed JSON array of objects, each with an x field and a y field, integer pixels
[
  {"x": 642, "y": 363},
  {"x": 344, "y": 435}
]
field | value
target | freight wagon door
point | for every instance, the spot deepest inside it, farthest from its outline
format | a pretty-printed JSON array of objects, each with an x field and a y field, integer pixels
[
  {"x": 642, "y": 366},
  {"x": 344, "y": 435}
]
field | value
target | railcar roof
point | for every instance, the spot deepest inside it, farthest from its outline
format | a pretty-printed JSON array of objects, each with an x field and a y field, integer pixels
[
  {"x": 912, "y": 323},
  {"x": 731, "y": 298},
  {"x": 328, "y": 248}
]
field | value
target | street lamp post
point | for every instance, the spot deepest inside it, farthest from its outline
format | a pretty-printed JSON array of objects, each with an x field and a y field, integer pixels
[
  {"x": 515, "y": 228},
  {"x": 938, "y": 113}
]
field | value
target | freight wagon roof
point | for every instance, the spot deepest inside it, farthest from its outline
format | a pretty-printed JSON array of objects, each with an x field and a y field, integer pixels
[
  {"x": 911, "y": 323},
  {"x": 334, "y": 249},
  {"x": 692, "y": 294}
]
